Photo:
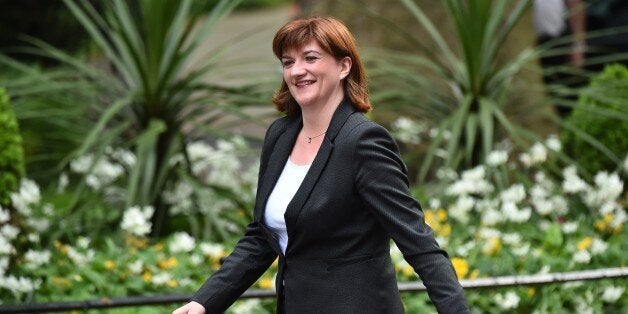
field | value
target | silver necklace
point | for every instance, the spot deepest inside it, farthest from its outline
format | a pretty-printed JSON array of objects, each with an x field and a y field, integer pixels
[{"x": 309, "y": 138}]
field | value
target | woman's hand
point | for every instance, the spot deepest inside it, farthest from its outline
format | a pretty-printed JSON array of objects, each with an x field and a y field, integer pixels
[{"x": 190, "y": 308}]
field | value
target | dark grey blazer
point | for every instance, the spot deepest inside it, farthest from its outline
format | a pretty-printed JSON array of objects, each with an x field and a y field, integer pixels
[{"x": 352, "y": 201}]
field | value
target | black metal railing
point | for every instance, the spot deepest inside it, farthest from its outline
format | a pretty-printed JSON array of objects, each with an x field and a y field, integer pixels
[{"x": 493, "y": 282}]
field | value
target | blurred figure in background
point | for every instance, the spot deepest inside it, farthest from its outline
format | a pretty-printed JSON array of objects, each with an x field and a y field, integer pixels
[
  {"x": 554, "y": 19},
  {"x": 583, "y": 36}
]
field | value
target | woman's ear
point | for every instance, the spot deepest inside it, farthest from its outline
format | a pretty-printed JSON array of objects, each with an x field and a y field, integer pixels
[{"x": 346, "y": 64}]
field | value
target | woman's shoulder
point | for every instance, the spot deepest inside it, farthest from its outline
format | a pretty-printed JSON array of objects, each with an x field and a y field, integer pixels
[{"x": 358, "y": 125}]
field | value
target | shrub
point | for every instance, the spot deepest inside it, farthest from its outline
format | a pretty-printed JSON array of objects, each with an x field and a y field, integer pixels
[
  {"x": 600, "y": 118},
  {"x": 11, "y": 154}
]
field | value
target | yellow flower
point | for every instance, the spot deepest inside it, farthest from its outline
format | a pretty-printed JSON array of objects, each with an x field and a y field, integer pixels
[
  {"x": 407, "y": 270},
  {"x": 158, "y": 247},
  {"x": 147, "y": 276},
  {"x": 474, "y": 274},
  {"x": 493, "y": 246},
  {"x": 167, "y": 263},
  {"x": 585, "y": 243},
  {"x": 135, "y": 242},
  {"x": 531, "y": 292},
  {"x": 110, "y": 265},
  {"x": 441, "y": 214},
  {"x": 461, "y": 266},
  {"x": 445, "y": 230},
  {"x": 172, "y": 283},
  {"x": 61, "y": 247},
  {"x": 61, "y": 282},
  {"x": 600, "y": 225},
  {"x": 608, "y": 218},
  {"x": 430, "y": 218},
  {"x": 266, "y": 283}
]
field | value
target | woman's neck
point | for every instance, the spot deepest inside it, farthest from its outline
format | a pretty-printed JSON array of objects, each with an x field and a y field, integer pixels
[{"x": 316, "y": 119}]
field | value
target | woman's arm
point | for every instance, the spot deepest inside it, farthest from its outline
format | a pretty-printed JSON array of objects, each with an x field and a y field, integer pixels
[
  {"x": 249, "y": 260},
  {"x": 382, "y": 183}
]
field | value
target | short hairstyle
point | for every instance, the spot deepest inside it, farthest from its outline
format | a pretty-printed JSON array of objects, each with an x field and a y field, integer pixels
[{"x": 334, "y": 37}]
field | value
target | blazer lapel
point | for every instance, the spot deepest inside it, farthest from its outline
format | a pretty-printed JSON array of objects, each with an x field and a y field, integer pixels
[
  {"x": 278, "y": 157},
  {"x": 344, "y": 110}
]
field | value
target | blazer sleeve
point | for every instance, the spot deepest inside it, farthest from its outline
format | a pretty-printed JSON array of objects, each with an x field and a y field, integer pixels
[
  {"x": 382, "y": 184},
  {"x": 250, "y": 258},
  {"x": 248, "y": 261}
]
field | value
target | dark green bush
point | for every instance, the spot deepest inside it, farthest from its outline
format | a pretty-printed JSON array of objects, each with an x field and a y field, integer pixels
[
  {"x": 11, "y": 155},
  {"x": 601, "y": 114}
]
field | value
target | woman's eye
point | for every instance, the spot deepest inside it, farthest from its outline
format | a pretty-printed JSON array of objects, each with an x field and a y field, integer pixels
[
  {"x": 286, "y": 63},
  {"x": 310, "y": 58}
]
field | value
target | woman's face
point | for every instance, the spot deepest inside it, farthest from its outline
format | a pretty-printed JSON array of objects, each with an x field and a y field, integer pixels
[{"x": 313, "y": 76}]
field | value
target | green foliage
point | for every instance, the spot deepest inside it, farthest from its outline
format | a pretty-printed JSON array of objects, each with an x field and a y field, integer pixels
[
  {"x": 152, "y": 96},
  {"x": 596, "y": 133},
  {"x": 11, "y": 153},
  {"x": 204, "y": 6},
  {"x": 458, "y": 89}
]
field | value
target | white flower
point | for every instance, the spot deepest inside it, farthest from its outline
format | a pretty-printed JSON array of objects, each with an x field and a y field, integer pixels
[
  {"x": 136, "y": 220},
  {"x": 515, "y": 194},
  {"x": 612, "y": 294},
  {"x": 512, "y": 213},
  {"x": 196, "y": 259},
  {"x": 9, "y": 231},
  {"x": 19, "y": 285},
  {"x": 63, "y": 182},
  {"x": 136, "y": 267},
  {"x": 464, "y": 249},
  {"x": 36, "y": 258},
  {"x": 542, "y": 206},
  {"x": 507, "y": 302},
  {"x": 607, "y": 189},
  {"x": 538, "y": 153},
  {"x": 460, "y": 210},
  {"x": 407, "y": 130},
  {"x": 27, "y": 195},
  {"x": 78, "y": 258},
  {"x": 161, "y": 278},
  {"x": 512, "y": 238},
  {"x": 40, "y": 225},
  {"x": 82, "y": 163},
  {"x": 124, "y": 157},
  {"x": 434, "y": 203},
  {"x": 522, "y": 250},
  {"x": 212, "y": 249},
  {"x": 83, "y": 242},
  {"x": 525, "y": 159},
  {"x": 572, "y": 182},
  {"x": 181, "y": 242},
  {"x": 553, "y": 143},
  {"x": 497, "y": 157},
  {"x": 5, "y": 216},
  {"x": 472, "y": 182},
  {"x": 570, "y": 227},
  {"x": 4, "y": 265},
  {"x": 491, "y": 217},
  {"x": 582, "y": 257},
  {"x": 598, "y": 246},
  {"x": 6, "y": 248}
]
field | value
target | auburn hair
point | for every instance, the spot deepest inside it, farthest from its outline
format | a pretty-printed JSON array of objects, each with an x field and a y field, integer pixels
[{"x": 334, "y": 37}]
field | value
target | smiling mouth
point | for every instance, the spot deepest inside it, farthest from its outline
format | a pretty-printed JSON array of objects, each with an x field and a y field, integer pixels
[{"x": 305, "y": 83}]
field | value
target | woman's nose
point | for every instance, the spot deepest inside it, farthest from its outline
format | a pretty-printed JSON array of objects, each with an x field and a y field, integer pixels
[{"x": 297, "y": 69}]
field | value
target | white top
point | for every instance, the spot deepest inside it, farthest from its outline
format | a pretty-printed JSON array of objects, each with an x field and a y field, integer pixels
[
  {"x": 549, "y": 17},
  {"x": 287, "y": 185}
]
